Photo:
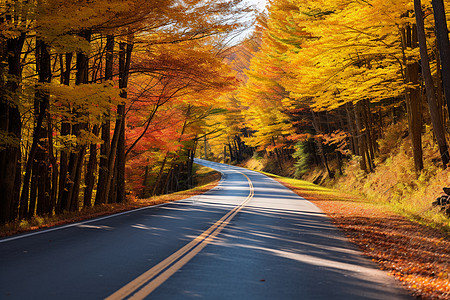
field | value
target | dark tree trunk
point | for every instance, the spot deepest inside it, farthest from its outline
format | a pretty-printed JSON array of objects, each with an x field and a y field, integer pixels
[
  {"x": 91, "y": 170},
  {"x": 413, "y": 103},
  {"x": 109, "y": 190},
  {"x": 443, "y": 45},
  {"x": 144, "y": 183},
  {"x": 124, "y": 68},
  {"x": 11, "y": 124},
  {"x": 66, "y": 129},
  {"x": 361, "y": 140},
  {"x": 37, "y": 165},
  {"x": 190, "y": 166},
  {"x": 231, "y": 152},
  {"x": 224, "y": 154},
  {"x": 351, "y": 124},
  {"x": 156, "y": 187},
  {"x": 42, "y": 158},
  {"x": 71, "y": 192},
  {"x": 318, "y": 129},
  {"x": 53, "y": 166},
  {"x": 105, "y": 148},
  {"x": 440, "y": 92},
  {"x": 370, "y": 130},
  {"x": 430, "y": 91}
]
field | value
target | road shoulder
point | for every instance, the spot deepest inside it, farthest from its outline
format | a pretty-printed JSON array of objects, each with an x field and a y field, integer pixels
[{"x": 418, "y": 256}]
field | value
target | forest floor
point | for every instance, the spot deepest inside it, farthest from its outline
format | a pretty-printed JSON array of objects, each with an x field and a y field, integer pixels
[
  {"x": 206, "y": 180},
  {"x": 417, "y": 255}
]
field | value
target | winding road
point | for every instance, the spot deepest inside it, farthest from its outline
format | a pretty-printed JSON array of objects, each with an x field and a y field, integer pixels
[{"x": 248, "y": 238}]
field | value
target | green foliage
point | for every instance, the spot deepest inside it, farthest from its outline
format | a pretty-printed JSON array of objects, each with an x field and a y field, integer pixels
[{"x": 303, "y": 158}]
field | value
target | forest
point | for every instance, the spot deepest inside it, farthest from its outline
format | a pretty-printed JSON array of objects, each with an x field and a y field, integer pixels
[
  {"x": 102, "y": 101},
  {"x": 349, "y": 94}
]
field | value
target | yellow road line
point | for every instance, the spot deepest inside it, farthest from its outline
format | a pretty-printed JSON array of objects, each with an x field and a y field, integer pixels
[{"x": 147, "y": 282}]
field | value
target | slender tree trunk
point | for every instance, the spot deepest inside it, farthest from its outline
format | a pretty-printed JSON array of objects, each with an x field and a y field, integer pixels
[
  {"x": 439, "y": 90},
  {"x": 443, "y": 45},
  {"x": 238, "y": 152},
  {"x": 165, "y": 188},
  {"x": 105, "y": 148},
  {"x": 239, "y": 147},
  {"x": 145, "y": 183},
  {"x": 361, "y": 140},
  {"x": 231, "y": 151},
  {"x": 190, "y": 167},
  {"x": 90, "y": 170},
  {"x": 42, "y": 158},
  {"x": 205, "y": 147},
  {"x": 368, "y": 134},
  {"x": 429, "y": 85},
  {"x": 66, "y": 129},
  {"x": 413, "y": 103},
  {"x": 352, "y": 129},
  {"x": 224, "y": 154},
  {"x": 323, "y": 158},
  {"x": 112, "y": 157},
  {"x": 124, "y": 68},
  {"x": 75, "y": 203},
  {"x": 53, "y": 166},
  {"x": 159, "y": 178}
]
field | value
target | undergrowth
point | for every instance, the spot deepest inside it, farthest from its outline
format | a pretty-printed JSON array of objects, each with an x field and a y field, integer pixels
[{"x": 395, "y": 181}]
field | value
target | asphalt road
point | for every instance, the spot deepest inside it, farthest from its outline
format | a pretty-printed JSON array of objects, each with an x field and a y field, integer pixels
[{"x": 248, "y": 238}]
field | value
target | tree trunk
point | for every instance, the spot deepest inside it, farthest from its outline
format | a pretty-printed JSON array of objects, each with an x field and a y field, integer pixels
[
  {"x": 66, "y": 129},
  {"x": 144, "y": 182},
  {"x": 124, "y": 69},
  {"x": 351, "y": 125},
  {"x": 42, "y": 158},
  {"x": 35, "y": 192},
  {"x": 443, "y": 43},
  {"x": 438, "y": 129},
  {"x": 361, "y": 140},
  {"x": 323, "y": 158},
  {"x": 439, "y": 91},
  {"x": 105, "y": 148},
  {"x": 413, "y": 103},
  {"x": 205, "y": 147},
  {"x": 231, "y": 151},
  {"x": 190, "y": 168},
  {"x": 368, "y": 134},
  {"x": 71, "y": 192},
  {"x": 159, "y": 178},
  {"x": 53, "y": 167},
  {"x": 90, "y": 170},
  {"x": 11, "y": 124},
  {"x": 112, "y": 158}
]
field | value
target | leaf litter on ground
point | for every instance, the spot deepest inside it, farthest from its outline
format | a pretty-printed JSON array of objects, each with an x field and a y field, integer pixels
[{"x": 417, "y": 255}]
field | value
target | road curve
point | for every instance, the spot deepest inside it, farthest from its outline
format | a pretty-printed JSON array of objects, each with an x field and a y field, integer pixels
[{"x": 248, "y": 238}]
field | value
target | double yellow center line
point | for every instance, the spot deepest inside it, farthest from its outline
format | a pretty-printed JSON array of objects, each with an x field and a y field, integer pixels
[{"x": 146, "y": 283}]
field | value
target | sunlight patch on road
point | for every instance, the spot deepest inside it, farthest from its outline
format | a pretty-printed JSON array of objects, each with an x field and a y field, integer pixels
[{"x": 95, "y": 226}]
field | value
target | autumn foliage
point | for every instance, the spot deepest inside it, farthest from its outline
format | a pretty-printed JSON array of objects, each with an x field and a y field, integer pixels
[{"x": 100, "y": 99}]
